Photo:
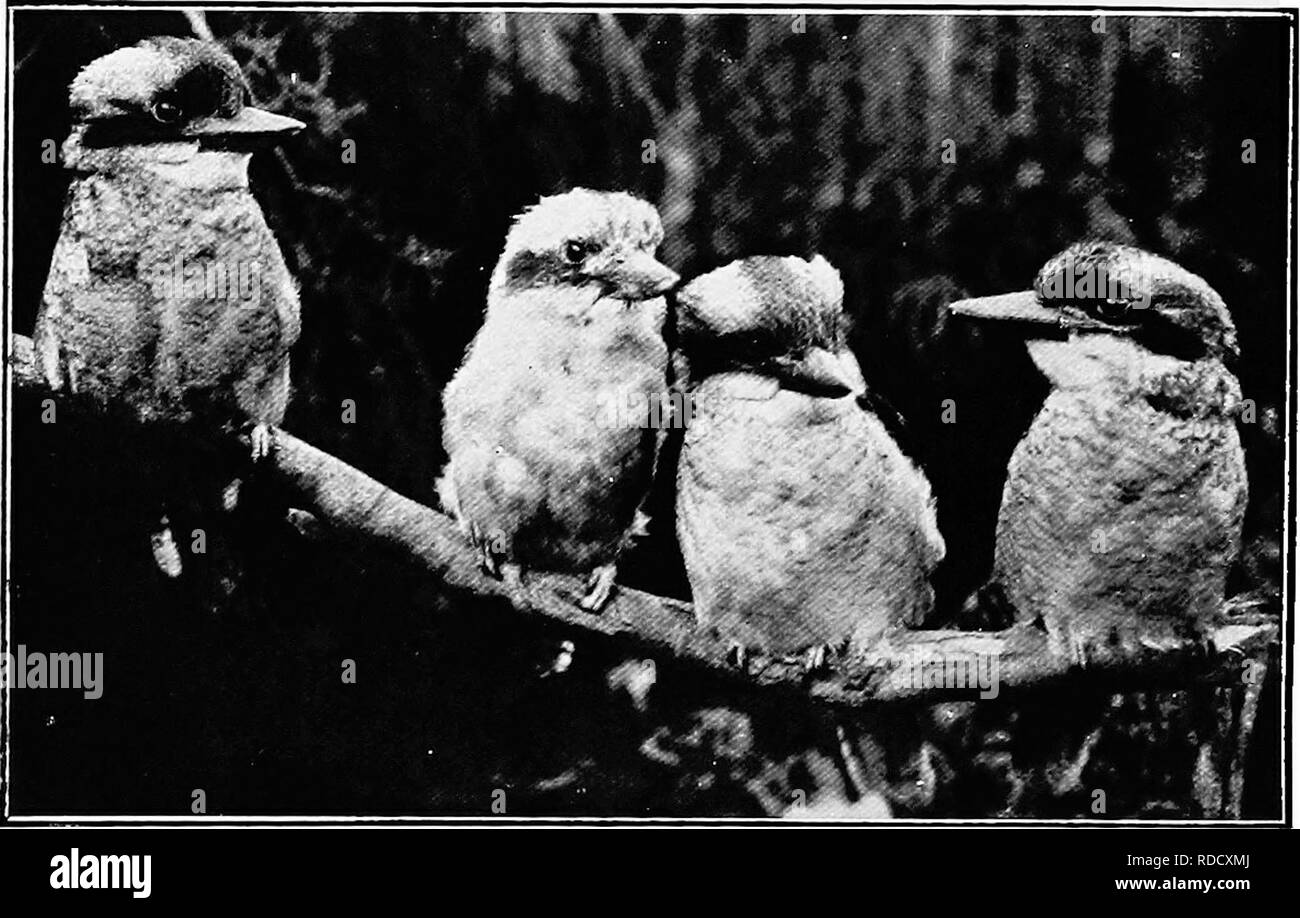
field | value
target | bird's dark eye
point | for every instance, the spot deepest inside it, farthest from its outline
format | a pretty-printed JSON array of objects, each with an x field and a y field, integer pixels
[
  {"x": 575, "y": 251},
  {"x": 166, "y": 112}
]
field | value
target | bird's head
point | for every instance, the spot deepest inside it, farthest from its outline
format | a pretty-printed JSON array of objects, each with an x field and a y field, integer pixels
[
  {"x": 165, "y": 100},
  {"x": 778, "y": 316},
  {"x": 1103, "y": 289},
  {"x": 599, "y": 243}
]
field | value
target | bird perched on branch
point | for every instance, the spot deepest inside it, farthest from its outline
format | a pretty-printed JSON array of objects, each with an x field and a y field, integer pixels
[
  {"x": 546, "y": 470},
  {"x": 1123, "y": 504},
  {"x": 802, "y": 524},
  {"x": 167, "y": 293}
]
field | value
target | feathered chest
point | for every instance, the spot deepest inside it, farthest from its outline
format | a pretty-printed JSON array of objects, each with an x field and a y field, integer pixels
[
  {"x": 1093, "y": 458},
  {"x": 745, "y": 427},
  {"x": 1116, "y": 506},
  {"x": 132, "y": 229},
  {"x": 166, "y": 296},
  {"x": 206, "y": 255}
]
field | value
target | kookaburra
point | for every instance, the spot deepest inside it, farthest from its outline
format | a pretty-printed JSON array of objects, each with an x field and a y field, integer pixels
[
  {"x": 1123, "y": 504},
  {"x": 802, "y": 524},
  {"x": 542, "y": 473},
  {"x": 166, "y": 291}
]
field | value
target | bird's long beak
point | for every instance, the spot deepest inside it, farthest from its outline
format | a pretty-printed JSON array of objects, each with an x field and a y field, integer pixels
[
  {"x": 822, "y": 372},
  {"x": 249, "y": 123},
  {"x": 639, "y": 276},
  {"x": 1022, "y": 306},
  {"x": 1025, "y": 307}
]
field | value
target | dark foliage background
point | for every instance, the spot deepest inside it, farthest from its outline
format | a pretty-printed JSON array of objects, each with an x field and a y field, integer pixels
[{"x": 767, "y": 139}]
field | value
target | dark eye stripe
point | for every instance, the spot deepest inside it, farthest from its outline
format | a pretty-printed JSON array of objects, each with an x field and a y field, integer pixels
[{"x": 539, "y": 269}]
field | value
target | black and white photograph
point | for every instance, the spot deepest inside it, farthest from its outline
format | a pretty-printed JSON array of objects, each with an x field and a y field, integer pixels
[{"x": 639, "y": 414}]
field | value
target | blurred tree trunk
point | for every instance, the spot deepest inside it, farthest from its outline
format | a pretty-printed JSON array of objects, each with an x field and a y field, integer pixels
[
  {"x": 679, "y": 145},
  {"x": 939, "y": 65},
  {"x": 677, "y": 131}
]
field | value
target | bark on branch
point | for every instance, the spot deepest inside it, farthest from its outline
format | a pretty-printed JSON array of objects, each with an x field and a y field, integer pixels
[{"x": 352, "y": 504}]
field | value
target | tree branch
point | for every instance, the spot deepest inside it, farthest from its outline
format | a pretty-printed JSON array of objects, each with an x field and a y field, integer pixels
[
  {"x": 352, "y": 503},
  {"x": 622, "y": 55},
  {"x": 198, "y": 21}
]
